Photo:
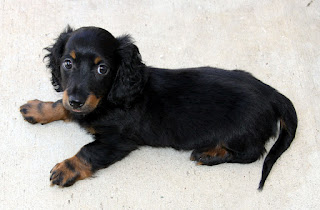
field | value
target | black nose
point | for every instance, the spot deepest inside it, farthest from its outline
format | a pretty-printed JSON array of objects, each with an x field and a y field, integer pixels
[{"x": 75, "y": 103}]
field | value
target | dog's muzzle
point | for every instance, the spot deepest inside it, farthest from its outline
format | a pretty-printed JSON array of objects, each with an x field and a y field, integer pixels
[{"x": 76, "y": 105}]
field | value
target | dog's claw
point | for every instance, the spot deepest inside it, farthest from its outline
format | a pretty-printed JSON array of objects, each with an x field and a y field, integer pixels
[{"x": 66, "y": 173}]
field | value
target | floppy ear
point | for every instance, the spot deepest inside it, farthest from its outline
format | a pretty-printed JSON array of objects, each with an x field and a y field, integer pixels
[
  {"x": 129, "y": 80},
  {"x": 54, "y": 55}
]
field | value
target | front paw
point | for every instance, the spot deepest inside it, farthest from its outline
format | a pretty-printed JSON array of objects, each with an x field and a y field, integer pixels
[
  {"x": 32, "y": 112},
  {"x": 66, "y": 173}
]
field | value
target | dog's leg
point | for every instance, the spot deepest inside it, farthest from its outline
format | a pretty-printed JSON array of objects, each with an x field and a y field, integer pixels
[
  {"x": 220, "y": 154},
  {"x": 211, "y": 156},
  {"x": 89, "y": 159},
  {"x": 69, "y": 171},
  {"x": 36, "y": 111}
]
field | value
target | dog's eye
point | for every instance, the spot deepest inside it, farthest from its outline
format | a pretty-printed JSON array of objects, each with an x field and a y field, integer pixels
[
  {"x": 67, "y": 64},
  {"x": 103, "y": 69}
]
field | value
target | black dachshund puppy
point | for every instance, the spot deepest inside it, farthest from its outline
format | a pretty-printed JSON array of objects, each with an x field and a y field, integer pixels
[{"x": 223, "y": 116}]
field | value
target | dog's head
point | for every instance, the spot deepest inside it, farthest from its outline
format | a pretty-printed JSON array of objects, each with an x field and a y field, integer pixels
[{"x": 90, "y": 65}]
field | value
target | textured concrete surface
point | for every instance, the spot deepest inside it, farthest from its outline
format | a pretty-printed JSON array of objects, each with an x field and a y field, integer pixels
[{"x": 277, "y": 41}]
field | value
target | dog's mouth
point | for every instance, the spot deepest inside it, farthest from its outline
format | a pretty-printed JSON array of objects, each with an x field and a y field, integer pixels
[{"x": 90, "y": 104}]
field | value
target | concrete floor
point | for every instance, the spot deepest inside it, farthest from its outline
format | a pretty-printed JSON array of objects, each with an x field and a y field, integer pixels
[{"x": 277, "y": 41}]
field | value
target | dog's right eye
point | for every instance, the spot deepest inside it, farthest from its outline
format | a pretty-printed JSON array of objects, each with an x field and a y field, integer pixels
[{"x": 67, "y": 64}]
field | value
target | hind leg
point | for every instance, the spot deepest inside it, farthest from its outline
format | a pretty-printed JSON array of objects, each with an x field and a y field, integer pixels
[
  {"x": 220, "y": 154},
  {"x": 211, "y": 156}
]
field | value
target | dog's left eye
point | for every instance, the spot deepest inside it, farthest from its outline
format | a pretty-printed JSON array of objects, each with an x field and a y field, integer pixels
[
  {"x": 67, "y": 64},
  {"x": 103, "y": 69}
]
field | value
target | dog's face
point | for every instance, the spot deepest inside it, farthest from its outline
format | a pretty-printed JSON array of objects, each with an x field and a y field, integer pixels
[
  {"x": 87, "y": 68},
  {"x": 89, "y": 64}
]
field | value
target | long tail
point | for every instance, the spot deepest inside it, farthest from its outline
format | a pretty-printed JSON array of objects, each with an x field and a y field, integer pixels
[{"x": 288, "y": 125}]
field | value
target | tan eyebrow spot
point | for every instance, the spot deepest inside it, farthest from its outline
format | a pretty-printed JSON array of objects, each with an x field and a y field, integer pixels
[
  {"x": 97, "y": 60},
  {"x": 73, "y": 54}
]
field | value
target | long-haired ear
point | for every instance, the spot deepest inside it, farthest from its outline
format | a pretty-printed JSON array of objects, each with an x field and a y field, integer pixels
[
  {"x": 129, "y": 80},
  {"x": 54, "y": 55}
]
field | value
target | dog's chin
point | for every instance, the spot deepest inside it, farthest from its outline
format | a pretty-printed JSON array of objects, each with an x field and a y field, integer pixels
[{"x": 82, "y": 111}]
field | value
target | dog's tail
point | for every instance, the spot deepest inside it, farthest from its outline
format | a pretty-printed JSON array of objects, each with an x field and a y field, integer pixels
[{"x": 288, "y": 125}]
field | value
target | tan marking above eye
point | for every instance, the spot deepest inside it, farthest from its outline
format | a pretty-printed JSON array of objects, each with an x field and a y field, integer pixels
[
  {"x": 97, "y": 60},
  {"x": 73, "y": 54}
]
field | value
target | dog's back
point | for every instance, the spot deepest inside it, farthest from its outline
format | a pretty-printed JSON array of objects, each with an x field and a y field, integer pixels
[{"x": 205, "y": 107}]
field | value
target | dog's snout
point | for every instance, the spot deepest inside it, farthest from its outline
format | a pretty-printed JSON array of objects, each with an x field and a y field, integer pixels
[{"x": 75, "y": 103}]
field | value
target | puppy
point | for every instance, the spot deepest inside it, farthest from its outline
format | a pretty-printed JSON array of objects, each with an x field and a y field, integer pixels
[{"x": 223, "y": 116}]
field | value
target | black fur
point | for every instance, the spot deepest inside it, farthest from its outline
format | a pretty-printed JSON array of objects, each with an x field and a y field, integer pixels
[{"x": 188, "y": 109}]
